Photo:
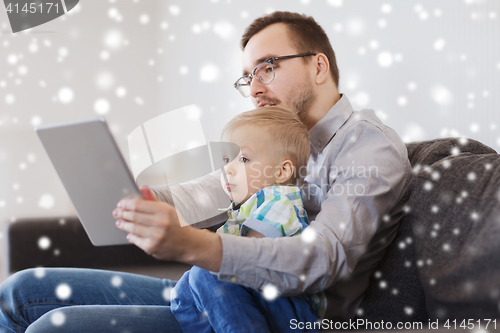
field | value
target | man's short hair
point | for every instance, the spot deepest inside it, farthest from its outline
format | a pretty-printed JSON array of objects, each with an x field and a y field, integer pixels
[
  {"x": 289, "y": 136},
  {"x": 305, "y": 33}
]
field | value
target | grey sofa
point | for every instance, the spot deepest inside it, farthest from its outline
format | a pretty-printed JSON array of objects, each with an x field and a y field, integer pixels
[{"x": 444, "y": 263}]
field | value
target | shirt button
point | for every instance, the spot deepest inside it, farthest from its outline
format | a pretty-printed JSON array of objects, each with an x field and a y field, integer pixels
[{"x": 233, "y": 279}]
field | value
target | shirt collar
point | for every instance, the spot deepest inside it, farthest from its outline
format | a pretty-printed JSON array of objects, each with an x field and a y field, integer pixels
[{"x": 324, "y": 130}]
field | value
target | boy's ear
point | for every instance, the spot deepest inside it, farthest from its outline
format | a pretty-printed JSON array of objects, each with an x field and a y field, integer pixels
[{"x": 284, "y": 172}]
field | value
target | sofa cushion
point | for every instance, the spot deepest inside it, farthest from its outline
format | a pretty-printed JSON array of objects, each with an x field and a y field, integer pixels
[
  {"x": 424, "y": 153},
  {"x": 395, "y": 292},
  {"x": 455, "y": 214}
]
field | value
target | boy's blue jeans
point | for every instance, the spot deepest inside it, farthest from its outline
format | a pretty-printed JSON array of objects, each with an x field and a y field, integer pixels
[
  {"x": 202, "y": 303},
  {"x": 85, "y": 300}
]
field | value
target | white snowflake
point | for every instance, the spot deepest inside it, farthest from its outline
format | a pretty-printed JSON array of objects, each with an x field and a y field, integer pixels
[
  {"x": 439, "y": 44},
  {"x": 428, "y": 186},
  {"x": 308, "y": 235},
  {"x": 63, "y": 291},
  {"x": 113, "y": 39},
  {"x": 408, "y": 310},
  {"x": 39, "y": 272},
  {"x": 441, "y": 95},
  {"x": 121, "y": 92},
  {"x": 175, "y": 10},
  {"x": 101, "y": 106},
  {"x": 116, "y": 281},
  {"x": 46, "y": 201},
  {"x": 402, "y": 100},
  {"x": 471, "y": 176},
  {"x": 144, "y": 19},
  {"x": 209, "y": 73},
  {"x": 65, "y": 95},
  {"x": 10, "y": 99},
  {"x": 44, "y": 242},
  {"x": 335, "y": 3},
  {"x": 355, "y": 27},
  {"x": 57, "y": 318},
  {"x": 270, "y": 292},
  {"x": 386, "y": 8},
  {"x": 385, "y": 59},
  {"x": 224, "y": 30}
]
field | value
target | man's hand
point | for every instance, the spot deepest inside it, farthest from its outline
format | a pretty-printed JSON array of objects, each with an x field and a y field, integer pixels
[{"x": 154, "y": 227}]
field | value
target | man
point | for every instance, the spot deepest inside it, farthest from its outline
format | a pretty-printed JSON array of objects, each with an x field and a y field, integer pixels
[{"x": 358, "y": 173}]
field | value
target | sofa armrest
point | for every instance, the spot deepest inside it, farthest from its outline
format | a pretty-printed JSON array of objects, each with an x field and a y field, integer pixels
[{"x": 62, "y": 242}]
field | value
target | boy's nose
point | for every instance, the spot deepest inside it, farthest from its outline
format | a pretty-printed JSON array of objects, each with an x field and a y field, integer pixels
[{"x": 229, "y": 169}]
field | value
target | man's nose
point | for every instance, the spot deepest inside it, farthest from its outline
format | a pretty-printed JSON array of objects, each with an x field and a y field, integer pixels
[{"x": 257, "y": 88}]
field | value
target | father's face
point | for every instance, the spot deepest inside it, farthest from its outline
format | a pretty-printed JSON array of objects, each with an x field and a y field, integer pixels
[{"x": 292, "y": 87}]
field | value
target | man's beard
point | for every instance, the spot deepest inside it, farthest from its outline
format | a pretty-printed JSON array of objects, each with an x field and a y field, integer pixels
[{"x": 302, "y": 99}]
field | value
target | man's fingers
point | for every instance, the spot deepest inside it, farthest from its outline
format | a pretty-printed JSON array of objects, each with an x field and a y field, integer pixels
[
  {"x": 135, "y": 228},
  {"x": 144, "y": 244},
  {"x": 132, "y": 216},
  {"x": 147, "y": 194},
  {"x": 145, "y": 206}
]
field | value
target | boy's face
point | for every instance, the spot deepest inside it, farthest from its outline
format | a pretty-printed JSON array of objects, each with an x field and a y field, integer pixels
[{"x": 256, "y": 165}]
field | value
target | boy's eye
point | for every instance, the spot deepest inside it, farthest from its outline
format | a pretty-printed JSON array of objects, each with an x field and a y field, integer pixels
[
  {"x": 244, "y": 159},
  {"x": 226, "y": 159}
]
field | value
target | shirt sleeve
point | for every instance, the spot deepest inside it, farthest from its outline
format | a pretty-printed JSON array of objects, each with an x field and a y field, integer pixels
[
  {"x": 197, "y": 201},
  {"x": 333, "y": 244},
  {"x": 273, "y": 214}
]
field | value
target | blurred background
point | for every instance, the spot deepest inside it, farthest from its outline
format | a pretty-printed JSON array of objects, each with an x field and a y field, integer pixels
[{"x": 428, "y": 68}]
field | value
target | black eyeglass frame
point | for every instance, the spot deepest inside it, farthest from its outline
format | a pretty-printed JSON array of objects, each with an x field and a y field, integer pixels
[{"x": 271, "y": 62}]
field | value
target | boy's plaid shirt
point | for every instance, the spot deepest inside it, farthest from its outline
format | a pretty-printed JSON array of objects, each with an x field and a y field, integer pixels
[{"x": 274, "y": 211}]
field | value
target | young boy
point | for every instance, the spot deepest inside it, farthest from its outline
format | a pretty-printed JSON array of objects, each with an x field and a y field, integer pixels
[{"x": 274, "y": 147}]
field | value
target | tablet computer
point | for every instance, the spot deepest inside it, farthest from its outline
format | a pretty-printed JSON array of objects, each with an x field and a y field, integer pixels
[{"x": 94, "y": 173}]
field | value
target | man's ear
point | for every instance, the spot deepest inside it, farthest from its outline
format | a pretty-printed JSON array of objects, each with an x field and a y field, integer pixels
[
  {"x": 284, "y": 172},
  {"x": 322, "y": 68}
]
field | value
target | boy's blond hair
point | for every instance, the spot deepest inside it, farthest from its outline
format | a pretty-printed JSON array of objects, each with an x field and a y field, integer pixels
[{"x": 289, "y": 135}]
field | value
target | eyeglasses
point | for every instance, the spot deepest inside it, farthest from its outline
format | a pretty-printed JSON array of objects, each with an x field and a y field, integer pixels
[{"x": 264, "y": 72}]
